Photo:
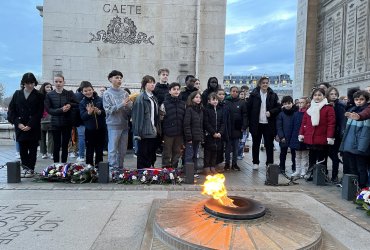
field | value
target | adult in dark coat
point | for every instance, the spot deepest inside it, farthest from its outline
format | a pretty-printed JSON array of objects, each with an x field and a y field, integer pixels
[
  {"x": 25, "y": 112},
  {"x": 212, "y": 87},
  {"x": 263, "y": 107}
]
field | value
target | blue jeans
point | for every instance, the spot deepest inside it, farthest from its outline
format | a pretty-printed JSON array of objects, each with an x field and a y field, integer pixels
[
  {"x": 242, "y": 143},
  {"x": 232, "y": 146},
  {"x": 135, "y": 145},
  {"x": 81, "y": 141},
  {"x": 117, "y": 147},
  {"x": 191, "y": 152}
]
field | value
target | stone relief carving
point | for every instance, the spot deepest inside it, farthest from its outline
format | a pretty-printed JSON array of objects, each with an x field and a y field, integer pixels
[
  {"x": 119, "y": 31},
  {"x": 342, "y": 41}
]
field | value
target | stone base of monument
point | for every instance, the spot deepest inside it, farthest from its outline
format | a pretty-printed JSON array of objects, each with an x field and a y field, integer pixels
[{"x": 185, "y": 224}]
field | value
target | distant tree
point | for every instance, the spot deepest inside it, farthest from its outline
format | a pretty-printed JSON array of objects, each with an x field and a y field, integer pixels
[
  {"x": 2, "y": 93},
  {"x": 6, "y": 101}
]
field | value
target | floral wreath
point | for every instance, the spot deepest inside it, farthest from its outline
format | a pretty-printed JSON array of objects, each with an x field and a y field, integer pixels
[
  {"x": 363, "y": 199},
  {"x": 81, "y": 173}
]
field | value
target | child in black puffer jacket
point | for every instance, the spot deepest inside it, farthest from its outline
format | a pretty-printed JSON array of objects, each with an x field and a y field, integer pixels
[
  {"x": 214, "y": 129},
  {"x": 93, "y": 116}
]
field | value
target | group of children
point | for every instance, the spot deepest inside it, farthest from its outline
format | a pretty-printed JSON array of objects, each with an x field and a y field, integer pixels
[
  {"x": 183, "y": 120},
  {"x": 324, "y": 128}
]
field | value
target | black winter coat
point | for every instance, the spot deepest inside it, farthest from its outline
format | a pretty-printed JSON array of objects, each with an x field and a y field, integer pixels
[
  {"x": 185, "y": 94},
  {"x": 213, "y": 123},
  {"x": 54, "y": 103},
  {"x": 238, "y": 117},
  {"x": 254, "y": 106},
  {"x": 173, "y": 120},
  {"x": 77, "y": 120},
  {"x": 209, "y": 90},
  {"x": 193, "y": 124},
  {"x": 27, "y": 112},
  {"x": 93, "y": 121},
  {"x": 161, "y": 92},
  {"x": 340, "y": 119}
]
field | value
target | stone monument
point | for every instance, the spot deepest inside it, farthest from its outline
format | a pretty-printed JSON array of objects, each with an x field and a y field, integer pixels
[
  {"x": 332, "y": 45},
  {"x": 86, "y": 39}
]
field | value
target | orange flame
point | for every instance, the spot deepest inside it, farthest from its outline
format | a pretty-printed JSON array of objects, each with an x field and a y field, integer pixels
[{"x": 215, "y": 187}]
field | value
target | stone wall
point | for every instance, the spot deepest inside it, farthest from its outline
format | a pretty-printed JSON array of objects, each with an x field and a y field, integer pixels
[{"x": 86, "y": 39}]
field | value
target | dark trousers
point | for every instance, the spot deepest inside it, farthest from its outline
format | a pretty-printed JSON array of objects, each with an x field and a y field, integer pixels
[
  {"x": 333, "y": 154},
  {"x": 210, "y": 158},
  {"x": 318, "y": 154},
  {"x": 28, "y": 152},
  {"x": 171, "y": 150},
  {"x": 268, "y": 135},
  {"x": 94, "y": 140},
  {"x": 232, "y": 146},
  {"x": 61, "y": 137},
  {"x": 191, "y": 154},
  {"x": 146, "y": 156},
  {"x": 356, "y": 164},
  {"x": 46, "y": 148},
  {"x": 283, "y": 154},
  {"x": 220, "y": 154}
]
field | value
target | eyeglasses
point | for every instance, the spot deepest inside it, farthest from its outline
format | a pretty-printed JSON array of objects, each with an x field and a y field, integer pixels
[{"x": 29, "y": 83}]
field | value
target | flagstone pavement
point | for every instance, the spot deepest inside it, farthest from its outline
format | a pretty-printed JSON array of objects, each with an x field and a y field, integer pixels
[{"x": 246, "y": 182}]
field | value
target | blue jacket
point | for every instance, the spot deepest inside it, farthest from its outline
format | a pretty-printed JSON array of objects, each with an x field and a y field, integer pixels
[
  {"x": 284, "y": 126},
  {"x": 356, "y": 137},
  {"x": 93, "y": 121},
  {"x": 297, "y": 121}
]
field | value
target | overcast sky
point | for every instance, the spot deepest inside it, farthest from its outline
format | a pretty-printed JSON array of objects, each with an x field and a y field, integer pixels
[{"x": 260, "y": 38}]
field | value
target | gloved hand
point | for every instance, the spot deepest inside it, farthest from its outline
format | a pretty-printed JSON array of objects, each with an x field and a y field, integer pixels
[
  {"x": 300, "y": 138},
  {"x": 330, "y": 141}
]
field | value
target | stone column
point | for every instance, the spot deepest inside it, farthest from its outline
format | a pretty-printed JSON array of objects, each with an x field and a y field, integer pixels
[
  {"x": 211, "y": 40},
  {"x": 305, "y": 52}
]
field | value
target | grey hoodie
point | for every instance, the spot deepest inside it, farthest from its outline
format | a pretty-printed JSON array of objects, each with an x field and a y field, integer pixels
[{"x": 118, "y": 115}]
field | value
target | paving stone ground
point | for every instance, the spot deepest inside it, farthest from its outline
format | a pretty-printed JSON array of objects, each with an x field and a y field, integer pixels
[{"x": 113, "y": 216}]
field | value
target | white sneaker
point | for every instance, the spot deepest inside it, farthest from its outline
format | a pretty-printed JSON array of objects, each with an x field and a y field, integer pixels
[
  {"x": 72, "y": 155},
  {"x": 80, "y": 159},
  {"x": 17, "y": 155},
  {"x": 27, "y": 173},
  {"x": 255, "y": 166},
  {"x": 296, "y": 173},
  {"x": 51, "y": 156},
  {"x": 44, "y": 156},
  {"x": 303, "y": 172}
]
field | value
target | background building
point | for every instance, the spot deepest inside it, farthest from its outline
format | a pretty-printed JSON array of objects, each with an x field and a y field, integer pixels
[
  {"x": 86, "y": 39},
  {"x": 282, "y": 84}
]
